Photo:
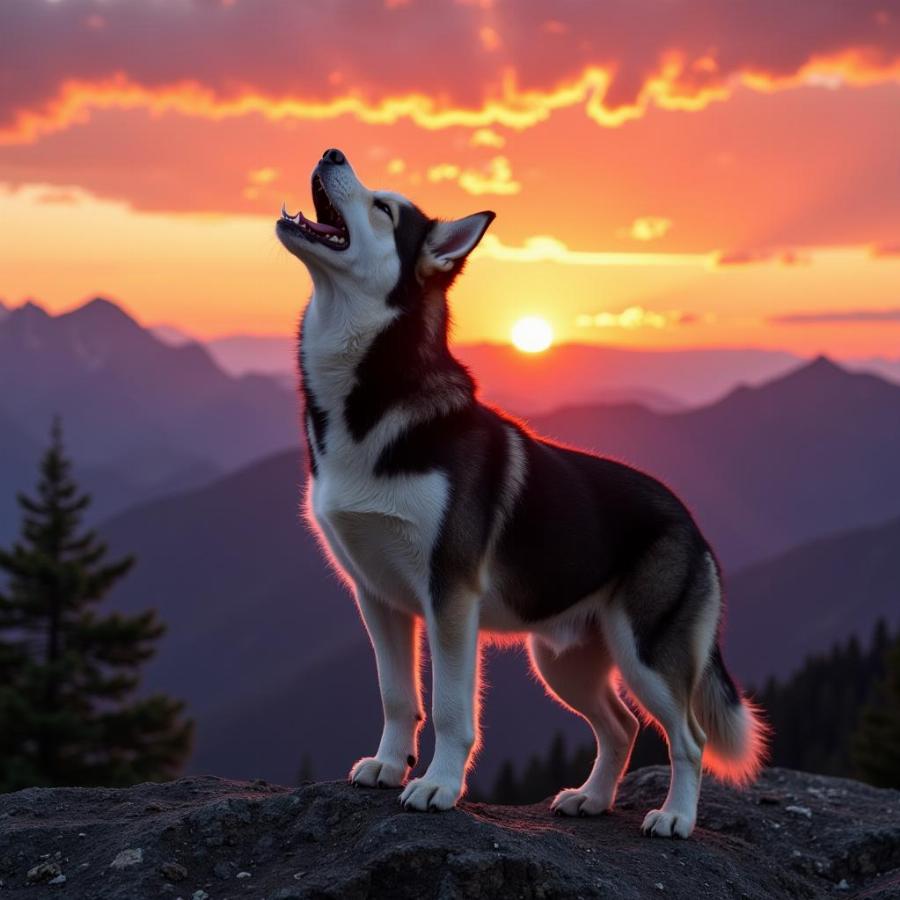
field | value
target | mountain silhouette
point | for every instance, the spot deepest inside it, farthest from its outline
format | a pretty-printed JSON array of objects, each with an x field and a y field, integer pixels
[
  {"x": 803, "y": 601},
  {"x": 663, "y": 380},
  {"x": 764, "y": 468},
  {"x": 146, "y": 417}
]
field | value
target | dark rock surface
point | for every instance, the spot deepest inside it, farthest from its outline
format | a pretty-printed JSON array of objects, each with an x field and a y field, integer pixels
[{"x": 791, "y": 835}]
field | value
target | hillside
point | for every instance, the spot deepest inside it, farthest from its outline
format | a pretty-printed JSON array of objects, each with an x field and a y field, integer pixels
[
  {"x": 791, "y": 835},
  {"x": 764, "y": 468},
  {"x": 803, "y": 601}
]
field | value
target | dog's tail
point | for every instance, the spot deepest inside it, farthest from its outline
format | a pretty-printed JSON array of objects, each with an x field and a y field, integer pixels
[{"x": 737, "y": 736}]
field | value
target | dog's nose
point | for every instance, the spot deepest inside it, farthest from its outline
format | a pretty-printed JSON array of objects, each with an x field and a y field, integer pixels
[{"x": 334, "y": 156}]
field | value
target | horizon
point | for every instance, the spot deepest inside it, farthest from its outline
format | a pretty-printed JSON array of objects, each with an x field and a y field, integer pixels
[
  {"x": 179, "y": 335},
  {"x": 691, "y": 187}
]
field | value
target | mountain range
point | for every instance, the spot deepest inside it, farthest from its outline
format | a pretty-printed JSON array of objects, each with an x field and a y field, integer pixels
[
  {"x": 567, "y": 374},
  {"x": 266, "y": 646},
  {"x": 141, "y": 417}
]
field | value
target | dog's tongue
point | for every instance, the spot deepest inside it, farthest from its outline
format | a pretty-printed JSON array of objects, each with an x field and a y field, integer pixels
[{"x": 320, "y": 227}]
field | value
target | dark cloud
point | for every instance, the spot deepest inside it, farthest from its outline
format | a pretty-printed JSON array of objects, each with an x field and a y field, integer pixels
[{"x": 418, "y": 59}]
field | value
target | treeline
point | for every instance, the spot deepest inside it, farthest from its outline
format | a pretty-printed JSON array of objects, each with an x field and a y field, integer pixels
[{"x": 838, "y": 715}]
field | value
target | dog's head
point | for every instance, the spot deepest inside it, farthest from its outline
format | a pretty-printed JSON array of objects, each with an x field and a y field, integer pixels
[{"x": 375, "y": 246}]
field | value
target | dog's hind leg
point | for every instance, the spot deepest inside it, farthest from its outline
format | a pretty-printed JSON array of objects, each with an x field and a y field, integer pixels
[
  {"x": 580, "y": 678},
  {"x": 660, "y": 632}
]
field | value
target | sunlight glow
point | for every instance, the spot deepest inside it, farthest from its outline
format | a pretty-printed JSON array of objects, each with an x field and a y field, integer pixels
[{"x": 532, "y": 334}]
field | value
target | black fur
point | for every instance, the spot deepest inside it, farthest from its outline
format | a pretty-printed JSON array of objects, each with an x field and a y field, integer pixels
[
  {"x": 723, "y": 676},
  {"x": 395, "y": 365},
  {"x": 315, "y": 419}
]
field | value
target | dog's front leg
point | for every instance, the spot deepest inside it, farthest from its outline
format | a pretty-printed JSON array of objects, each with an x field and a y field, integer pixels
[
  {"x": 453, "y": 642},
  {"x": 395, "y": 638}
]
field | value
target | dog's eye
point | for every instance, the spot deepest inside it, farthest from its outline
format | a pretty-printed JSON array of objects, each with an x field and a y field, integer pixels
[{"x": 380, "y": 204}]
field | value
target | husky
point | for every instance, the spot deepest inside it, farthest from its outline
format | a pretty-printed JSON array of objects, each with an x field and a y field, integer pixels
[{"x": 440, "y": 510}]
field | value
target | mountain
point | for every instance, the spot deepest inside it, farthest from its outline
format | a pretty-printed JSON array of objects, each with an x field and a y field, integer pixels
[
  {"x": 576, "y": 374},
  {"x": 764, "y": 468},
  {"x": 241, "y": 354},
  {"x": 566, "y": 374},
  {"x": 805, "y": 600},
  {"x": 260, "y": 632},
  {"x": 141, "y": 417},
  {"x": 125, "y": 390}
]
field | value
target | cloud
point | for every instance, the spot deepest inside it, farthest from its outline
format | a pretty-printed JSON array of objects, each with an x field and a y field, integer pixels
[
  {"x": 484, "y": 137},
  {"x": 266, "y": 175},
  {"x": 885, "y": 250},
  {"x": 544, "y": 248},
  {"x": 634, "y": 317},
  {"x": 850, "y": 316},
  {"x": 379, "y": 61},
  {"x": 494, "y": 178},
  {"x": 789, "y": 257},
  {"x": 649, "y": 228},
  {"x": 61, "y": 196}
]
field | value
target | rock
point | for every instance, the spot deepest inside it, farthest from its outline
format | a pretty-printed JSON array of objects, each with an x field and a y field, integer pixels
[
  {"x": 799, "y": 811},
  {"x": 126, "y": 858},
  {"x": 60, "y": 879},
  {"x": 173, "y": 871},
  {"x": 43, "y": 871},
  {"x": 218, "y": 829}
]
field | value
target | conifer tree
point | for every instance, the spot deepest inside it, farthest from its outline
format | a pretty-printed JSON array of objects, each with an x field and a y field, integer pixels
[
  {"x": 876, "y": 746},
  {"x": 68, "y": 673}
]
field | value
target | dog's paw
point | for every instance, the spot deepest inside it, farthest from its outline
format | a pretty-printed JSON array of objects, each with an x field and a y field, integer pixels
[
  {"x": 668, "y": 824},
  {"x": 576, "y": 802},
  {"x": 430, "y": 794},
  {"x": 373, "y": 772}
]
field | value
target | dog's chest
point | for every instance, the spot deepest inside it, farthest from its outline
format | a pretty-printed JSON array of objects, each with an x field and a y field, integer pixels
[{"x": 382, "y": 531}]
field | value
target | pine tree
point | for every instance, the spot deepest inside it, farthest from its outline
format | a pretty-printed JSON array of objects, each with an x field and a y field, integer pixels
[
  {"x": 68, "y": 674},
  {"x": 876, "y": 745}
]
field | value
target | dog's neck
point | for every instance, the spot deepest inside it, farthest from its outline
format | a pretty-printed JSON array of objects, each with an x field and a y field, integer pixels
[{"x": 360, "y": 357}]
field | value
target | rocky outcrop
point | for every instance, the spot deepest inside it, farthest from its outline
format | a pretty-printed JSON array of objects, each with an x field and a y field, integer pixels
[{"x": 791, "y": 835}]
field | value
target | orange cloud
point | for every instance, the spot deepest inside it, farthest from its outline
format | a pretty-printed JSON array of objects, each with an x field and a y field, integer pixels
[
  {"x": 494, "y": 178},
  {"x": 726, "y": 258},
  {"x": 307, "y": 61},
  {"x": 544, "y": 248},
  {"x": 846, "y": 317},
  {"x": 649, "y": 228},
  {"x": 634, "y": 317},
  {"x": 885, "y": 250}
]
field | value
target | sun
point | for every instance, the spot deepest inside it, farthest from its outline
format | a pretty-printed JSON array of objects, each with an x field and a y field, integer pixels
[{"x": 532, "y": 334}]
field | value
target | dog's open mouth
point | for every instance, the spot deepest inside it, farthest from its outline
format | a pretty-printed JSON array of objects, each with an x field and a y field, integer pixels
[{"x": 330, "y": 228}]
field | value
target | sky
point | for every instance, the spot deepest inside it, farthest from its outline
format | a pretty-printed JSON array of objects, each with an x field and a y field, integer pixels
[{"x": 666, "y": 173}]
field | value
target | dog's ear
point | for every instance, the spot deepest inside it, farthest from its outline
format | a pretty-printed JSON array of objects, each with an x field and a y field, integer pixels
[{"x": 450, "y": 242}]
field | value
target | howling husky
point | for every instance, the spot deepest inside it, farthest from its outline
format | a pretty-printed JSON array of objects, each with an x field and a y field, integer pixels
[{"x": 439, "y": 509}]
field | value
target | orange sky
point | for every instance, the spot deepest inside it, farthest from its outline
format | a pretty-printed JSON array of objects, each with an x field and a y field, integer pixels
[{"x": 665, "y": 173}]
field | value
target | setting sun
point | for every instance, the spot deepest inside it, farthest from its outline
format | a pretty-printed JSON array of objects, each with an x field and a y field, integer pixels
[{"x": 532, "y": 334}]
